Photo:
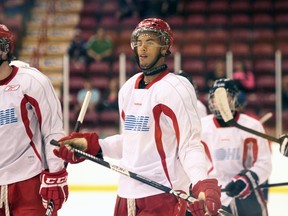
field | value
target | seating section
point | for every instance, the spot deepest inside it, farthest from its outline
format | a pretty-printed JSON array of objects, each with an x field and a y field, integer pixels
[{"x": 204, "y": 31}]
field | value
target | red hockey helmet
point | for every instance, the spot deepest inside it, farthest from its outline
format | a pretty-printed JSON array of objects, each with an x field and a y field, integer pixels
[
  {"x": 7, "y": 40},
  {"x": 156, "y": 26}
]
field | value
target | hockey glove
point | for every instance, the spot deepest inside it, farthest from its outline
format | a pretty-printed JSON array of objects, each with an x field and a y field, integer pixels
[
  {"x": 180, "y": 209},
  {"x": 241, "y": 185},
  {"x": 208, "y": 194},
  {"x": 87, "y": 142},
  {"x": 54, "y": 187},
  {"x": 284, "y": 144}
]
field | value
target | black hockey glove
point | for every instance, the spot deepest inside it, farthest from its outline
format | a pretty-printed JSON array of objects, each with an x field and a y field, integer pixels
[
  {"x": 284, "y": 144},
  {"x": 242, "y": 184}
]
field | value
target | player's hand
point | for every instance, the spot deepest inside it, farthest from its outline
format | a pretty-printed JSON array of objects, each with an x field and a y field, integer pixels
[
  {"x": 241, "y": 185},
  {"x": 180, "y": 209},
  {"x": 86, "y": 142},
  {"x": 284, "y": 144},
  {"x": 54, "y": 187},
  {"x": 208, "y": 193}
]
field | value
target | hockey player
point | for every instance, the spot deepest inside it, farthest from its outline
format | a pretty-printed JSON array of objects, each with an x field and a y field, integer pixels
[
  {"x": 160, "y": 137},
  {"x": 239, "y": 160},
  {"x": 30, "y": 116}
]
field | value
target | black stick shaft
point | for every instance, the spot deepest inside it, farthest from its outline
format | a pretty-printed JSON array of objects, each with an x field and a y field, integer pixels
[
  {"x": 265, "y": 186},
  {"x": 135, "y": 176},
  {"x": 257, "y": 133}
]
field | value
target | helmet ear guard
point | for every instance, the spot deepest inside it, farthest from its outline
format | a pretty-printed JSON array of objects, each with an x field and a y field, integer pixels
[{"x": 232, "y": 94}]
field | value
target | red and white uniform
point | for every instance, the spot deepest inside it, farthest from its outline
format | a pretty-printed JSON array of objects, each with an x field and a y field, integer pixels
[
  {"x": 160, "y": 137},
  {"x": 28, "y": 123},
  {"x": 231, "y": 150},
  {"x": 202, "y": 110}
]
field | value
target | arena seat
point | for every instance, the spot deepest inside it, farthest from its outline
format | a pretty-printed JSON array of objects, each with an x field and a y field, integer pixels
[
  {"x": 262, "y": 20},
  {"x": 260, "y": 50},
  {"x": 240, "y": 50},
  {"x": 98, "y": 68},
  {"x": 192, "y": 51},
  {"x": 196, "y": 21},
  {"x": 213, "y": 50},
  {"x": 193, "y": 66},
  {"x": 240, "y": 21}
]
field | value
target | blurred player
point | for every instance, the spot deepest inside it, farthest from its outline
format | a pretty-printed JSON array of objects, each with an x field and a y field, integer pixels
[
  {"x": 160, "y": 137},
  {"x": 202, "y": 109},
  {"x": 284, "y": 144},
  {"x": 239, "y": 160},
  {"x": 30, "y": 116}
]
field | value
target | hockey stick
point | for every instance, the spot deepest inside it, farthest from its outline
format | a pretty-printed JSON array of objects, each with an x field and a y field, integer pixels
[
  {"x": 265, "y": 186},
  {"x": 137, "y": 177},
  {"x": 266, "y": 117},
  {"x": 80, "y": 119},
  {"x": 223, "y": 106}
]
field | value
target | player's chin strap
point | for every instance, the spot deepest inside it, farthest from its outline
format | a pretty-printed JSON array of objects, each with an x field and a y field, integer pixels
[
  {"x": 156, "y": 70},
  {"x": 4, "y": 199}
]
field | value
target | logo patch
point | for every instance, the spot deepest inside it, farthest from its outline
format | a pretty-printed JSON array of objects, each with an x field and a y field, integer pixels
[
  {"x": 136, "y": 123},
  {"x": 12, "y": 88},
  {"x": 222, "y": 154}
]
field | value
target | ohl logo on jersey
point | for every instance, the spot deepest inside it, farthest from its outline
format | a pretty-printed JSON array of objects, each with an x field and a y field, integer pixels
[
  {"x": 227, "y": 154},
  {"x": 8, "y": 116},
  {"x": 136, "y": 123}
]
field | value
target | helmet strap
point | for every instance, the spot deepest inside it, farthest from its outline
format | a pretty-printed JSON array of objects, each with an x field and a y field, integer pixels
[{"x": 155, "y": 70}]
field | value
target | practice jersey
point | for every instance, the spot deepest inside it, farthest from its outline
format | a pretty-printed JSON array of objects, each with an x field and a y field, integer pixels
[
  {"x": 231, "y": 150},
  {"x": 160, "y": 137},
  {"x": 30, "y": 117},
  {"x": 201, "y": 109}
]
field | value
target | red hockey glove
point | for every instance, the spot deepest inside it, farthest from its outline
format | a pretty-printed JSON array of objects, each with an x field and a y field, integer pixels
[
  {"x": 208, "y": 194},
  {"x": 87, "y": 142},
  {"x": 54, "y": 187},
  {"x": 180, "y": 209},
  {"x": 241, "y": 185},
  {"x": 197, "y": 208},
  {"x": 284, "y": 144}
]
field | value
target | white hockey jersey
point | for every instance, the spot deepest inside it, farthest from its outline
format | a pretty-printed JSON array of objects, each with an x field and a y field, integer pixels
[
  {"x": 231, "y": 150},
  {"x": 202, "y": 110},
  {"x": 160, "y": 137},
  {"x": 30, "y": 117}
]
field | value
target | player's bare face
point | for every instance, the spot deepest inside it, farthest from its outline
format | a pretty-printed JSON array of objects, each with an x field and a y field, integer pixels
[{"x": 148, "y": 49}]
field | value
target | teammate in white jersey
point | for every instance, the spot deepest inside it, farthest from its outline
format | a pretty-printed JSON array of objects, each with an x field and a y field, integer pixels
[
  {"x": 160, "y": 134},
  {"x": 239, "y": 160},
  {"x": 30, "y": 117},
  {"x": 202, "y": 109}
]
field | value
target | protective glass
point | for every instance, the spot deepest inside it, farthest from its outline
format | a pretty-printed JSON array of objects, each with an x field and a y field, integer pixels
[
  {"x": 152, "y": 42},
  {"x": 4, "y": 45}
]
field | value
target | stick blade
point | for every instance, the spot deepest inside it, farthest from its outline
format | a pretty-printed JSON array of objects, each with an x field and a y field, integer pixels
[{"x": 222, "y": 104}]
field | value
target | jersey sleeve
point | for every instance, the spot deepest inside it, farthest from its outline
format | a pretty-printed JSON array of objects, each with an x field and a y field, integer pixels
[{"x": 191, "y": 151}]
